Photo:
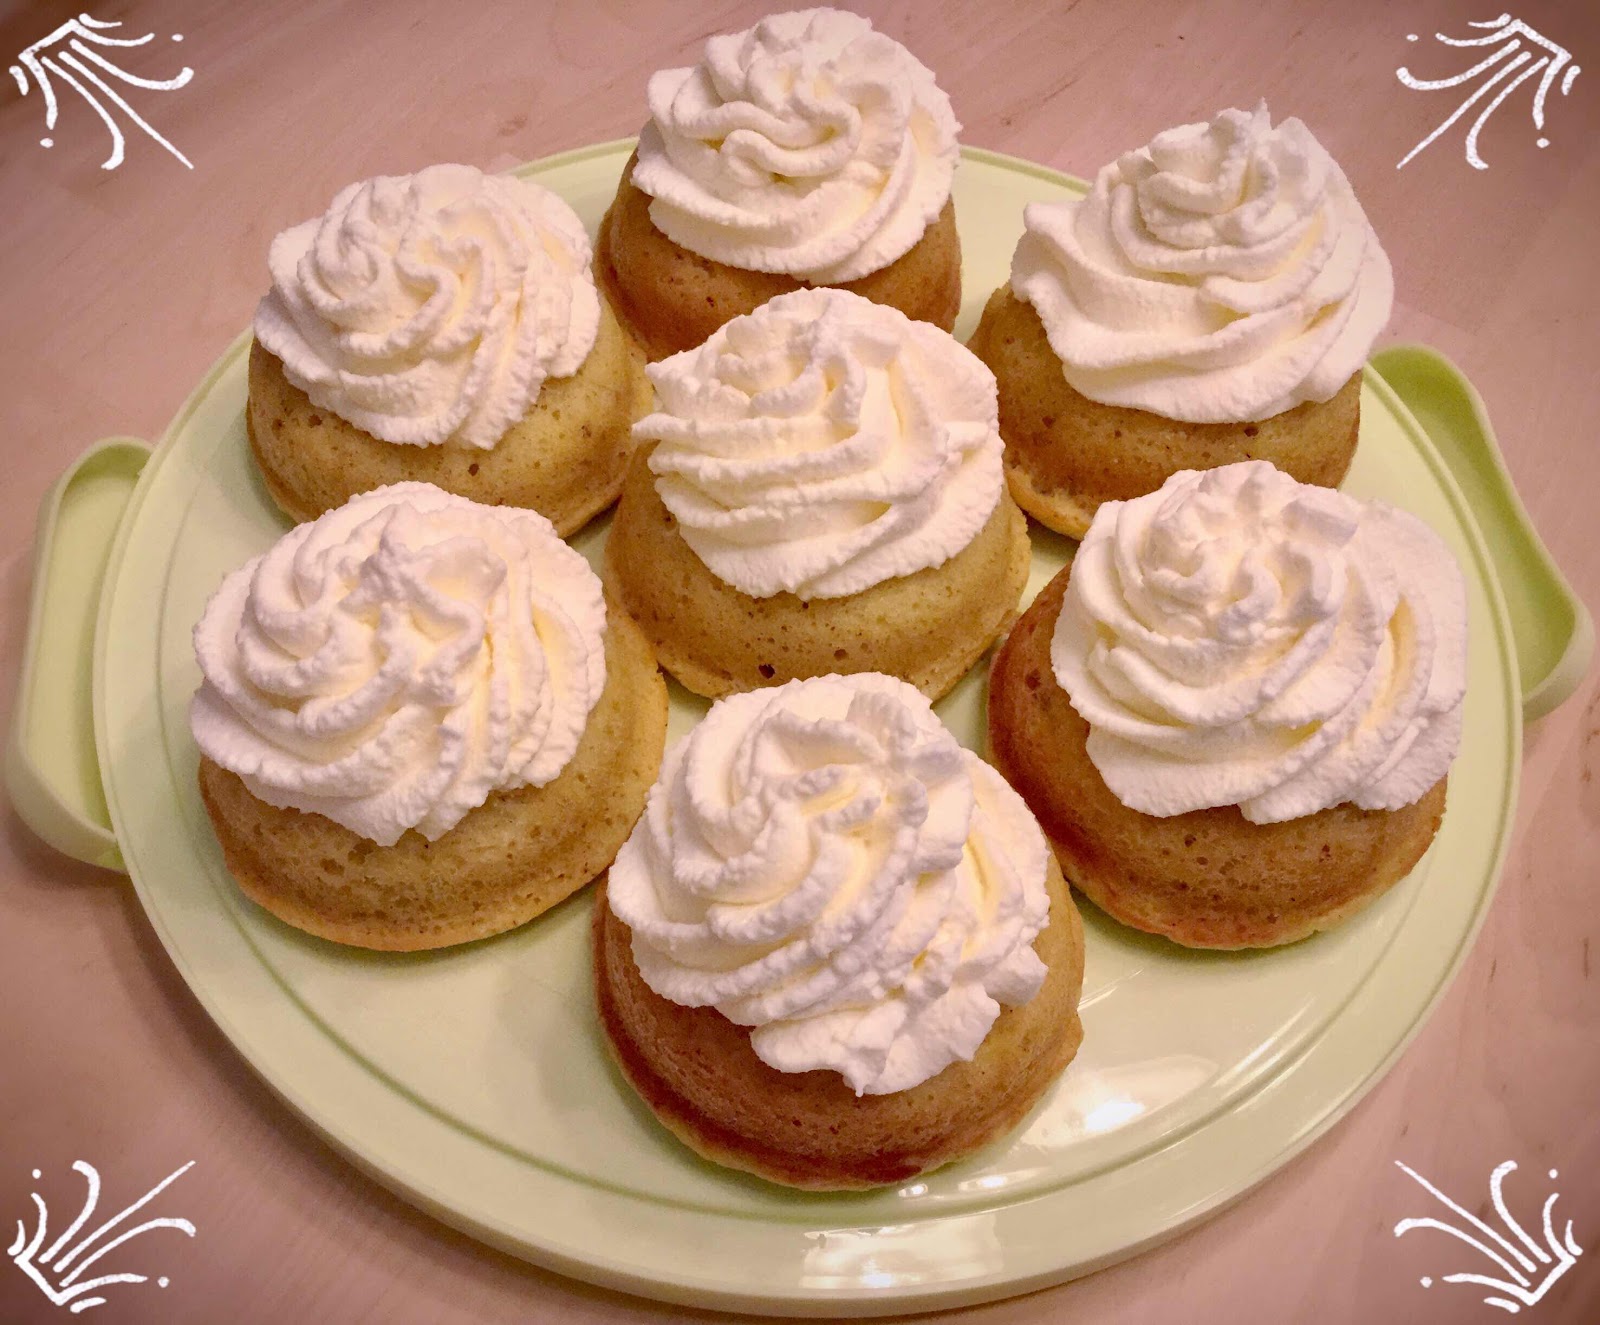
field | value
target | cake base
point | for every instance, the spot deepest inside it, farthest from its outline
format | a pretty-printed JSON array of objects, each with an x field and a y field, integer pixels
[
  {"x": 671, "y": 299},
  {"x": 509, "y": 860},
  {"x": 1066, "y": 454},
  {"x": 928, "y": 628},
  {"x": 698, "y": 1074},
  {"x": 1206, "y": 879},
  {"x": 564, "y": 459}
]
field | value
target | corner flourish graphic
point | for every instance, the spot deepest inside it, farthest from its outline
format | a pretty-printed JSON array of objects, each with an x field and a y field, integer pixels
[
  {"x": 1530, "y": 1269},
  {"x": 1508, "y": 33},
  {"x": 58, "y": 1268},
  {"x": 70, "y": 54}
]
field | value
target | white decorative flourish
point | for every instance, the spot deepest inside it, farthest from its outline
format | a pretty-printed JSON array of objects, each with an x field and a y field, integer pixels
[
  {"x": 1530, "y": 1269},
  {"x": 72, "y": 66},
  {"x": 1511, "y": 57},
  {"x": 58, "y": 1269}
]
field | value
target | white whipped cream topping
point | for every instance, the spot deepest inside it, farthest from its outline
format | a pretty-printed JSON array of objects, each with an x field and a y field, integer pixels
[
  {"x": 809, "y": 144},
  {"x": 1238, "y": 638},
  {"x": 391, "y": 663},
  {"x": 430, "y": 308},
  {"x": 823, "y": 863},
  {"x": 824, "y": 444},
  {"x": 1224, "y": 273}
]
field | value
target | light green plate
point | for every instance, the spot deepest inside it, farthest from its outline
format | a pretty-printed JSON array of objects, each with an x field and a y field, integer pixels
[{"x": 474, "y": 1082}]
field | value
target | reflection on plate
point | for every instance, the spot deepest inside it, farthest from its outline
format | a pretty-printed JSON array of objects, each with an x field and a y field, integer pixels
[{"x": 473, "y": 1080}]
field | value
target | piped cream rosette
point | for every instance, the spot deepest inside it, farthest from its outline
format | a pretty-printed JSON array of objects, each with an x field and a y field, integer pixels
[
  {"x": 1225, "y": 272},
  {"x": 810, "y": 145},
  {"x": 1240, "y": 638},
  {"x": 430, "y": 308},
  {"x": 824, "y": 444},
  {"x": 392, "y": 663},
  {"x": 823, "y": 863}
]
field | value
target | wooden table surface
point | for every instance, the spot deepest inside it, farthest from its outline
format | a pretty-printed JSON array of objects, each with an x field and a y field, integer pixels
[{"x": 120, "y": 287}]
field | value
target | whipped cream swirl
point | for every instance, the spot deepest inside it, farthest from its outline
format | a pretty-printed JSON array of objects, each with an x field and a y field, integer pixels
[
  {"x": 430, "y": 308},
  {"x": 1239, "y": 638},
  {"x": 823, "y": 863},
  {"x": 1224, "y": 273},
  {"x": 824, "y": 444},
  {"x": 810, "y": 144},
  {"x": 393, "y": 662}
]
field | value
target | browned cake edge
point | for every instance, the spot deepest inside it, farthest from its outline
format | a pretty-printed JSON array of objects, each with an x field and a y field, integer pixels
[
  {"x": 833, "y": 1107},
  {"x": 1204, "y": 879},
  {"x": 1067, "y": 454},
  {"x": 246, "y": 827},
  {"x": 784, "y": 638},
  {"x": 307, "y": 484},
  {"x": 695, "y": 295}
]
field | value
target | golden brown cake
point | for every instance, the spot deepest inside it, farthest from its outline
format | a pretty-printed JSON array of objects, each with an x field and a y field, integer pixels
[
  {"x": 389, "y": 756},
  {"x": 1208, "y": 878},
  {"x": 928, "y": 627},
  {"x": 700, "y": 1077},
  {"x": 1247, "y": 840},
  {"x": 1212, "y": 300},
  {"x": 671, "y": 298},
  {"x": 565, "y": 458},
  {"x": 1066, "y": 454},
  {"x": 809, "y": 150},
  {"x": 442, "y": 327},
  {"x": 819, "y": 491},
  {"x": 507, "y": 861},
  {"x": 736, "y": 1020}
]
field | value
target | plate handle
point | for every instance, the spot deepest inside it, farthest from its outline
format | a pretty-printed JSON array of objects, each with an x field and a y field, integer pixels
[
  {"x": 52, "y": 768},
  {"x": 1550, "y": 626}
]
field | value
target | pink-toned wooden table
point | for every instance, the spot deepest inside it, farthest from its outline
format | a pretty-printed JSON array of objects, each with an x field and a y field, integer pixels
[{"x": 120, "y": 287}]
